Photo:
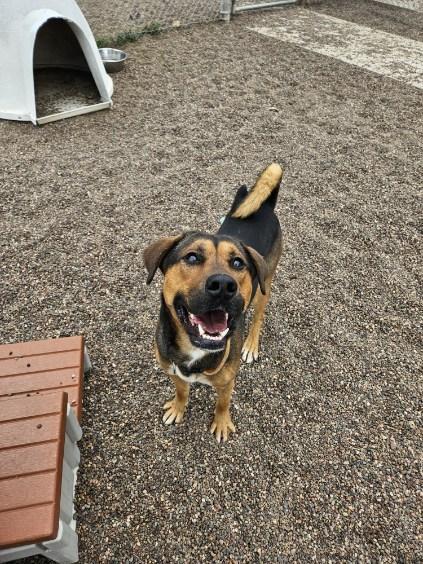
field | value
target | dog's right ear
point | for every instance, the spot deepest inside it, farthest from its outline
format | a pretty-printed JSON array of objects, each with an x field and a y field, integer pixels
[
  {"x": 155, "y": 254},
  {"x": 260, "y": 267}
]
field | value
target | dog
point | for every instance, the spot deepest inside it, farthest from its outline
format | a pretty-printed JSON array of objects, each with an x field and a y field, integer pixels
[{"x": 209, "y": 283}]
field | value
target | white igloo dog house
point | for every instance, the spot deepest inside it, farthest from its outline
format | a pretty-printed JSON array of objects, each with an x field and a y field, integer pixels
[{"x": 45, "y": 34}]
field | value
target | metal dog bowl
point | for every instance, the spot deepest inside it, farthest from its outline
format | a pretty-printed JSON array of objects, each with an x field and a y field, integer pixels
[{"x": 113, "y": 59}]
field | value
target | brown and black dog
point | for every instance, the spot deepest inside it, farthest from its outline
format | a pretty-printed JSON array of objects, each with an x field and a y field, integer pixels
[{"x": 209, "y": 282}]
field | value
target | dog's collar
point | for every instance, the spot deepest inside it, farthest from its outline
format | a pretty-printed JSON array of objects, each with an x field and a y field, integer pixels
[{"x": 222, "y": 362}]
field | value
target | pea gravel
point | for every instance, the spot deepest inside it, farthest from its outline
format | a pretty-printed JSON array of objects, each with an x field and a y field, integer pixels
[{"x": 325, "y": 464}]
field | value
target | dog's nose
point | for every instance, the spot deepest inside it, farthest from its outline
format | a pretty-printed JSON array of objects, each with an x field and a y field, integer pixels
[{"x": 221, "y": 286}]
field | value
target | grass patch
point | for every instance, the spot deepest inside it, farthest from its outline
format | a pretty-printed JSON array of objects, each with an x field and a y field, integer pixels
[{"x": 125, "y": 37}]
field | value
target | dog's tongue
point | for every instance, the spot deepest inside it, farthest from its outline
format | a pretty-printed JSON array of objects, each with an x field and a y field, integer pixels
[{"x": 213, "y": 321}]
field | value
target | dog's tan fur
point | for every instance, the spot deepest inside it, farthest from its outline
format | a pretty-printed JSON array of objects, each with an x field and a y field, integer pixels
[{"x": 262, "y": 189}]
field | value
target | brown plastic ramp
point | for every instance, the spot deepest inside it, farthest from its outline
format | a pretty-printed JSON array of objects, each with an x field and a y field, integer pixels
[
  {"x": 32, "y": 437},
  {"x": 43, "y": 367}
]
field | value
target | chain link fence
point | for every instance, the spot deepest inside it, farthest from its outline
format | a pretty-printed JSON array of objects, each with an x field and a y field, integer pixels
[
  {"x": 107, "y": 19},
  {"x": 131, "y": 18}
]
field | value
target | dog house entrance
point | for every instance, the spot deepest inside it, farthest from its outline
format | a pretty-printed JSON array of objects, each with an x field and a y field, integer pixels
[{"x": 63, "y": 83}]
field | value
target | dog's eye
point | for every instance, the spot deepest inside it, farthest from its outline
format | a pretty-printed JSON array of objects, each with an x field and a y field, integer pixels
[
  {"x": 192, "y": 258},
  {"x": 237, "y": 263}
]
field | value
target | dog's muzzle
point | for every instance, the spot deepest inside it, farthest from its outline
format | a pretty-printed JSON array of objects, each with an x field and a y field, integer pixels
[{"x": 209, "y": 316}]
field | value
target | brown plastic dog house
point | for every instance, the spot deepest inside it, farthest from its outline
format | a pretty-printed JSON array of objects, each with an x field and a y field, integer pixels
[{"x": 40, "y": 404}]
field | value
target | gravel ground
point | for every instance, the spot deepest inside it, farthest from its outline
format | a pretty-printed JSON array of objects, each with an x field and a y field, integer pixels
[{"x": 324, "y": 465}]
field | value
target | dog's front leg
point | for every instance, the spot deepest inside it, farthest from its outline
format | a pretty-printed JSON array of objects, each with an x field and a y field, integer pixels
[
  {"x": 222, "y": 424},
  {"x": 175, "y": 408}
]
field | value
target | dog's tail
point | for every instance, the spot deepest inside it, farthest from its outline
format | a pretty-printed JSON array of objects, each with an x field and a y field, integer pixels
[{"x": 266, "y": 188}]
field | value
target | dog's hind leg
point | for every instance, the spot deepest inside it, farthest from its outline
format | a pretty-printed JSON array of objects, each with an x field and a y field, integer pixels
[{"x": 250, "y": 349}]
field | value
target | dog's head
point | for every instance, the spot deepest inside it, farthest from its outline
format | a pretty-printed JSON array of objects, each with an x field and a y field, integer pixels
[{"x": 208, "y": 283}]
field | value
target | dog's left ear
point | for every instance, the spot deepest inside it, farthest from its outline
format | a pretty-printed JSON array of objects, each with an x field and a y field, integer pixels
[
  {"x": 155, "y": 254},
  {"x": 260, "y": 266}
]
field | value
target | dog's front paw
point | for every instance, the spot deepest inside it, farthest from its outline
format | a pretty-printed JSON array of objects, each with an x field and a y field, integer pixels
[
  {"x": 250, "y": 350},
  {"x": 174, "y": 412},
  {"x": 222, "y": 426}
]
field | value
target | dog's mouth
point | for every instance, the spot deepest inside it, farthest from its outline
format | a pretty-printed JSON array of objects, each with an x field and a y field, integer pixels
[
  {"x": 207, "y": 330},
  {"x": 212, "y": 325}
]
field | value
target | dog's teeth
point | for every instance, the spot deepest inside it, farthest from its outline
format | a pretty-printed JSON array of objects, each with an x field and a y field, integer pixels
[
  {"x": 212, "y": 337},
  {"x": 201, "y": 330},
  {"x": 225, "y": 332}
]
